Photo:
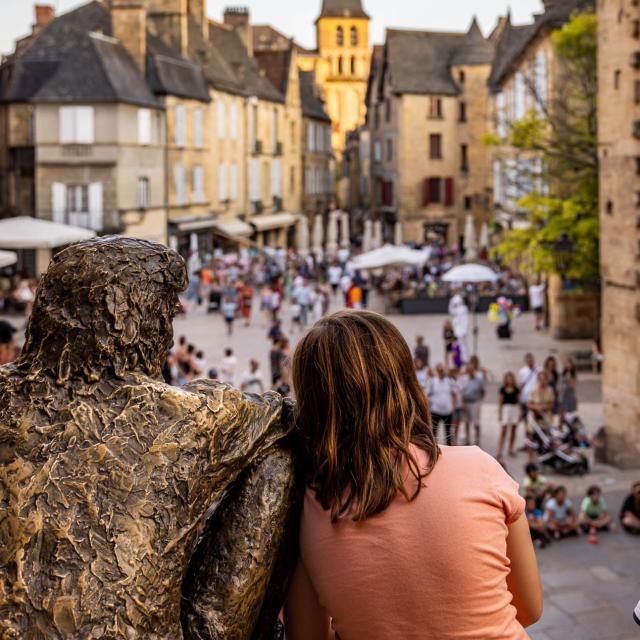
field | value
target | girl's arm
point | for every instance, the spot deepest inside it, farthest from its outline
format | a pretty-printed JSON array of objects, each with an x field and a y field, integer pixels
[
  {"x": 304, "y": 617},
  {"x": 524, "y": 580}
]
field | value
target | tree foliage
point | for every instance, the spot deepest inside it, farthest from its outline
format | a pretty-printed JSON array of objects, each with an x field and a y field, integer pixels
[{"x": 562, "y": 133}]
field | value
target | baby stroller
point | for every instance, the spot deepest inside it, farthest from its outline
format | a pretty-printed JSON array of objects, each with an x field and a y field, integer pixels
[{"x": 555, "y": 450}]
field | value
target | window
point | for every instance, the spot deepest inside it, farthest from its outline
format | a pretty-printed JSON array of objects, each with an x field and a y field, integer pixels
[
  {"x": 377, "y": 151},
  {"x": 616, "y": 79},
  {"x": 221, "y": 120},
  {"x": 274, "y": 130},
  {"x": 387, "y": 109},
  {"x": 434, "y": 190},
  {"x": 143, "y": 193},
  {"x": 462, "y": 112},
  {"x": 292, "y": 179},
  {"x": 354, "y": 37},
  {"x": 254, "y": 126},
  {"x": 180, "y": 132},
  {"x": 77, "y": 204},
  {"x": 389, "y": 149},
  {"x": 340, "y": 36},
  {"x": 637, "y": 91},
  {"x": 541, "y": 81},
  {"x": 435, "y": 107},
  {"x": 197, "y": 128},
  {"x": 198, "y": 184},
  {"x": 519, "y": 87},
  {"x": 179, "y": 180},
  {"x": 435, "y": 146},
  {"x": 461, "y": 76},
  {"x": 77, "y": 201},
  {"x": 233, "y": 121},
  {"x": 276, "y": 190},
  {"x": 144, "y": 126},
  {"x": 387, "y": 193},
  {"x": 76, "y": 125},
  {"x": 353, "y": 65},
  {"x": 233, "y": 174},
  {"x": 340, "y": 66},
  {"x": 467, "y": 203},
  {"x": 222, "y": 182},
  {"x": 501, "y": 115},
  {"x": 464, "y": 158},
  {"x": 254, "y": 180},
  {"x": 293, "y": 134},
  {"x": 311, "y": 139}
]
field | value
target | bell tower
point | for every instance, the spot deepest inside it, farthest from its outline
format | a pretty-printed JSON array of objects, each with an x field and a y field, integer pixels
[{"x": 342, "y": 32}]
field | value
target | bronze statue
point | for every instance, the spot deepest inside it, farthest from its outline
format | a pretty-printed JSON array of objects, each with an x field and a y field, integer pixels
[{"x": 108, "y": 475}]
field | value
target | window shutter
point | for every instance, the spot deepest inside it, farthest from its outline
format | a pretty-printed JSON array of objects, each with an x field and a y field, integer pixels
[
  {"x": 221, "y": 120},
  {"x": 234, "y": 181},
  {"x": 222, "y": 182},
  {"x": 275, "y": 179},
  {"x": 180, "y": 126},
  {"x": 58, "y": 202},
  {"x": 448, "y": 192},
  {"x": 178, "y": 174},
  {"x": 425, "y": 192},
  {"x": 66, "y": 123},
  {"x": 255, "y": 180},
  {"x": 197, "y": 128},
  {"x": 234, "y": 120},
  {"x": 84, "y": 125},
  {"x": 198, "y": 184},
  {"x": 96, "y": 215},
  {"x": 144, "y": 126}
]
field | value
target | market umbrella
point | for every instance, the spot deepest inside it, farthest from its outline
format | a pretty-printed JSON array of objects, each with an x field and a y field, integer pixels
[
  {"x": 332, "y": 234},
  {"x": 470, "y": 240},
  {"x": 390, "y": 256},
  {"x": 377, "y": 234},
  {"x": 345, "y": 242},
  {"x": 318, "y": 236},
  {"x": 25, "y": 232},
  {"x": 484, "y": 236},
  {"x": 471, "y": 274},
  {"x": 7, "y": 258},
  {"x": 398, "y": 239},
  {"x": 367, "y": 236},
  {"x": 303, "y": 236}
]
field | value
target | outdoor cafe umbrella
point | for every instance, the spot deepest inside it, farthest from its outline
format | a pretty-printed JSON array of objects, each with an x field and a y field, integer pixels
[
  {"x": 303, "y": 236},
  {"x": 470, "y": 240},
  {"x": 397, "y": 235},
  {"x": 318, "y": 236},
  {"x": 471, "y": 274},
  {"x": 332, "y": 234},
  {"x": 377, "y": 234},
  {"x": 367, "y": 236},
  {"x": 345, "y": 241},
  {"x": 7, "y": 258},
  {"x": 390, "y": 256}
]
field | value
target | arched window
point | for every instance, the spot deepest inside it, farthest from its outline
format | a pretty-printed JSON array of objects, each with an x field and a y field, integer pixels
[
  {"x": 340, "y": 36},
  {"x": 340, "y": 66},
  {"x": 354, "y": 37},
  {"x": 353, "y": 65}
]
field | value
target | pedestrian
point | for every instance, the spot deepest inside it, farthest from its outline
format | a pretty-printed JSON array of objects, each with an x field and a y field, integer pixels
[
  {"x": 448, "y": 338},
  {"x": 527, "y": 380},
  {"x": 459, "y": 313},
  {"x": 275, "y": 332},
  {"x": 199, "y": 365},
  {"x": 540, "y": 402},
  {"x": 229, "y": 308},
  {"x": 567, "y": 396},
  {"x": 535, "y": 483},
  {"x": 228, "y": 367},
  {"x": 379, "y": 486},
  {"x": 335, "y": 275},
  {"x": 536, "y": 301},
  {"x": 421, "y": 351},
  {"x": 252, "y": 380},
  {"x": 246, "y": 302},
  {"x": 345, "y": 285},
  {"x": 276, "y": 360},
  {"x": 473, "y": 392},
  {"x": 303, "y": 295},
  {"x": 630, "y": 512},
  {"x": 560, "y": 518},
  {"x": 422, "y": 374},
  {"x": 594, "y": 513},
  {"x": 535, "y": 519},
  {"x": 275, "y": 302},
  {"x": 508, "y": 413},
  {"x": 266, "y": 294},
  {"x": 7, "y": 342},
  {"x": 442, "y": 402},
  {"x": 354, "y": 296},
  {"x": 553, "y": 379}
]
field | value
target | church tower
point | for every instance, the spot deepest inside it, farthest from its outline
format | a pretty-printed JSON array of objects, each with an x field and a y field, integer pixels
[{"x": 343, "y": 67}]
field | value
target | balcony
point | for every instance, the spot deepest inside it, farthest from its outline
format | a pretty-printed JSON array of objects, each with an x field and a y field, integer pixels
[
  {"x": 257, "y": 206},
  {"x": 256, "y": 147}
]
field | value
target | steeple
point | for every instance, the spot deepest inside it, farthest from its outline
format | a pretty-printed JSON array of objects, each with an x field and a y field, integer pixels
[
  {"x": 474, "y": 29},
  {"x": 342, "y": 9}
]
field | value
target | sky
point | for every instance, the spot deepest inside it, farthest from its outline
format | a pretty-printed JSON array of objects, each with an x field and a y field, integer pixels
[{"x": 296, "y": 17}]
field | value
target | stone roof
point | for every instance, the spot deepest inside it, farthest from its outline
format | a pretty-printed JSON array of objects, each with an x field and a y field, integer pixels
[
  {"x": 266, "y": 38},
  {"x": 342, "y": 9},
  {"x": 75, "y": 58},
  {"x": 275, "y": 65},
  {"x": 514, "y": 40},
  {"x": 420, "y": 61},
  {"x": 312, "y": 106}
]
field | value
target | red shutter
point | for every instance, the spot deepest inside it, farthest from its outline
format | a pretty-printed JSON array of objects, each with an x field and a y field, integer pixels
[
  {"x": 448, "y": 192},
  {"x": 425, "y": 192}
]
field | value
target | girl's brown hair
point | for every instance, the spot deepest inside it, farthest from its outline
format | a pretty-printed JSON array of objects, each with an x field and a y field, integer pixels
[{"x": 360, "y": 407}]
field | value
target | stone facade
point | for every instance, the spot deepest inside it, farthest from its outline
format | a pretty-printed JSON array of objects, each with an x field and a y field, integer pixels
[{"x": 619, "y": 126}]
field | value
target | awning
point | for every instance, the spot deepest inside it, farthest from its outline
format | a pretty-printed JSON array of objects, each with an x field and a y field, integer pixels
[
  {"x": 234, "y": 228},
  {"x": 7, "y": 258},
  {"x": 390, "y": 256},
  {"x": 187, "y": 224},
  {"x": 275, "y": 221},
  {"x": 24, "y": 232}
]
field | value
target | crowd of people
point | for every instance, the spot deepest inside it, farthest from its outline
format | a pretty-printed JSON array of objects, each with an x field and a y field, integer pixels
[{"x": 17, "y": 294}]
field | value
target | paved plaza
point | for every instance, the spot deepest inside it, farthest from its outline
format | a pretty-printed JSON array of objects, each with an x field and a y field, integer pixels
[{"x": 590, "y": 590}]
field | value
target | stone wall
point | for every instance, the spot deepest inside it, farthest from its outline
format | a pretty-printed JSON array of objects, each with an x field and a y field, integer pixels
[{"x": 573, "y": 315}]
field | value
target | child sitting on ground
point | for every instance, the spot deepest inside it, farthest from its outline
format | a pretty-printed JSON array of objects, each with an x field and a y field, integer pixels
[
  {"x": 559, "y": 515},
  {"x": 593, "y": 511},
  {"x": 535, "y": 518},
  {"x": 535, "y": 483}
]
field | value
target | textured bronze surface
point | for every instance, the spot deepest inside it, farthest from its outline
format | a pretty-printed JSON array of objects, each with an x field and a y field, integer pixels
[{"x": 107, "y": 474}]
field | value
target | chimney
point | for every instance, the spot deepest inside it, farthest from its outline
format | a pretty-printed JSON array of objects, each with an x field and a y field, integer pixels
[
  {"x": 129, "y": 25},
  {"x": 168, "y": 20},
  {"x": 45, "y": 13},
  {"x": 238, "y": 18},
  {"x": 198, "y": 13}
]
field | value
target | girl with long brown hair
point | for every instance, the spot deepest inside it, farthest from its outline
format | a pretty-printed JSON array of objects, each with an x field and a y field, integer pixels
[{"x": 400, "y": 539}]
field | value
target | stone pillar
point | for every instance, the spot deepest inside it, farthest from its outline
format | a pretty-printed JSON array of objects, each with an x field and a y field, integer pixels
[{"x": 572, "y": 314}]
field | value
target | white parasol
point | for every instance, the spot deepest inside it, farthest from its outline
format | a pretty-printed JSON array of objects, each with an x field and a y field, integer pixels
[
  {"x": 470, "y": 240},
  {"x": 318, "y": 235},
  {"x": 470, "y": 273},
  {"x": 390, "y": 256},
  {"x": 345, "y": 241}
]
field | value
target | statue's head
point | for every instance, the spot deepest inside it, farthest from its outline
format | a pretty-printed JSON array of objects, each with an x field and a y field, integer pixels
[{"x": 105, "y": 308}]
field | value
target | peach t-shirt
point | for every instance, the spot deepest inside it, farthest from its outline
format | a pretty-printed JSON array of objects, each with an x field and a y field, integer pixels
[{"x": 434, "y": 568}]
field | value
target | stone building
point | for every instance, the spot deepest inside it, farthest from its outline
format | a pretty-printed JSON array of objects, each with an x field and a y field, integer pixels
[
  {"x": 427, "y": 115},
  {"x": 619, "y": 139}
]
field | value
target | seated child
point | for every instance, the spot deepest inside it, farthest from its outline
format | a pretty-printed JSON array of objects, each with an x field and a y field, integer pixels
[
  {"x": 535, "y": 518},
  {"x": 593, "y": 511},
  {"x": 630, "y": 512},
  {"x": 559, "y": 515},
  {"x": 534, "y": 482}
]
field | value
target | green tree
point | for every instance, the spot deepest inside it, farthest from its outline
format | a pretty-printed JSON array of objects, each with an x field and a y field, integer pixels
[{"x": 562, "y": 133}]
